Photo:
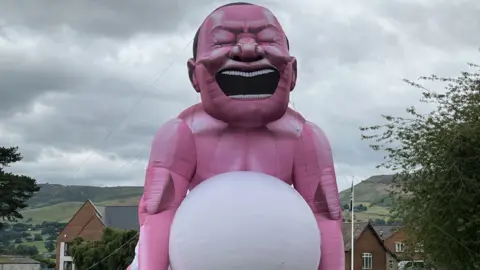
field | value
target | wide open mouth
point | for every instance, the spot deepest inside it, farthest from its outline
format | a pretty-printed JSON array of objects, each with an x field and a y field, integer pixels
[{"x": 255, "y": 84}]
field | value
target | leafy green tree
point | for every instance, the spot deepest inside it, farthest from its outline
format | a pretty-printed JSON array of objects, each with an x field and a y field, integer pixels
[
  {"x": 15, "y": 190},
  {"x": 115, "y": 250},
  {"x": 379, "y": 221},
  {"x": 50, "y": 245},
  {"x": 436, "y": 157},
  {"x": 38, "y": 237},
  {"x": 23, "y": 250},
  {"x": 46, "y": 263}
]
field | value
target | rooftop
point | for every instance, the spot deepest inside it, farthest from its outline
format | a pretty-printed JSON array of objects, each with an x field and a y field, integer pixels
[
  {"x": 347, "y": 232},
  {"x": 385, "y": 231},
  {"x": 119, "y": 217},
  {"x": 5, "y": 259}
]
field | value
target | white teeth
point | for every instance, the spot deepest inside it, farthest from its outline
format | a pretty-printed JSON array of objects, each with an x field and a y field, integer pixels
[
  {"x": 250, "y": 96},
  {"x": 247, "y": 73}
]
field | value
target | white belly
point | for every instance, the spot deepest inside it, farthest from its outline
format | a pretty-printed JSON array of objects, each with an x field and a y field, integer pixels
[{"x": 244, "y": 220}]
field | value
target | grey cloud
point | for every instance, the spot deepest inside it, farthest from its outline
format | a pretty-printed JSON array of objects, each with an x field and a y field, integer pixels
[
  {"x": 89, "y": 104},
  {"x": 80, "y": 108},
  {"x": 438, "y": 24},
  {"x": 359, "y": 39},
  {"x": 23, "y": 80},
  {"x": 350, "y": 73},
  {"x": 108, "y": 122},
  {"x": 117, "y": 19}
]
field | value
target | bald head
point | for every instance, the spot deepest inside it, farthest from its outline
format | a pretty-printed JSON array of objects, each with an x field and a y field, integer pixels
[{"x": 195, "y": 39}]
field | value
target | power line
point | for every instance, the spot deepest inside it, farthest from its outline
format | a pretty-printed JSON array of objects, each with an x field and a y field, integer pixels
[
  {"x": 112, "y": 131},
  {"x": 115, "y": 251},
  {"x": 139, "y": 152},
  {"x": 128, "y": 112}
]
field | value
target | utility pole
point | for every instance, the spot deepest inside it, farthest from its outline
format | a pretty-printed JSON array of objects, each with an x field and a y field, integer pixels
[{"x": 352, "y": 212}]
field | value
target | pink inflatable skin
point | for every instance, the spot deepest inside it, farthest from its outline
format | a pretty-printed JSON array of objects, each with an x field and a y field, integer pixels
[{"x": 244, "y": 74}]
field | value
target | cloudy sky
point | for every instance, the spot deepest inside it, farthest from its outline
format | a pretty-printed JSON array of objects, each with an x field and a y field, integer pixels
[{"x": 85, "y": 84}]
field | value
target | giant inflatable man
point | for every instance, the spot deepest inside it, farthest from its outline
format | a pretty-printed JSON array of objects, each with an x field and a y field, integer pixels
[{"x": 244, "y": 73}]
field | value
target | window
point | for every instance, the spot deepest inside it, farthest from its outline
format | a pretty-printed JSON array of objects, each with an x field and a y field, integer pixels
[
  {"x": 67, "y": 266},
  {"x": 398, "y": 247},
  {"x": 367, "y": 261},
  {"x": 66, "y": 249}
]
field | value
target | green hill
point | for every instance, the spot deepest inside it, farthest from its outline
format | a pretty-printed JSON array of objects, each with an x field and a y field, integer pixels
[
  {"x": 54, "y": 194},
  {"x": 59, "y": 203},
  {"x": 374, "y": 194},
  {"x": 374, "y": 190}
]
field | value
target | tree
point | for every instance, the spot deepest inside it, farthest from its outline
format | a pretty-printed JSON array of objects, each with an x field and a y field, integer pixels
[
  {"x": 436, "y": 157},
  {"x": 47, "y": 263},
  {"x": 20, "y": 249},
  {"x": 50, "y": 245},
  {"x": 25, "y": 250},
  {"x": 379, "y": 221},
  {"x": 120, "y": 245},
  {"x": 15, "y": 190},
  {"x": 361, "y": 208},
  {"x": 38, "y": 237}
]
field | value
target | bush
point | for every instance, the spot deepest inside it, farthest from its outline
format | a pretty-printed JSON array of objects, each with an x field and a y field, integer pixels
[
  {"x": 50, "y": 245},
  {"x": 38, "y": 237},
  {"x": 121, "y": 244}
]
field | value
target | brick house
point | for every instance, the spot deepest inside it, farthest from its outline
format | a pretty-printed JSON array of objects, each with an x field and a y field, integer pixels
[
  {"x": 369, "y": 250},
  {"x": 394, "y": 238},
  {"x": 89, "y": 223}
]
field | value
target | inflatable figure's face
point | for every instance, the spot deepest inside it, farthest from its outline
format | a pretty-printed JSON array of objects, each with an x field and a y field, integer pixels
[{"x": 243, "y": 69}]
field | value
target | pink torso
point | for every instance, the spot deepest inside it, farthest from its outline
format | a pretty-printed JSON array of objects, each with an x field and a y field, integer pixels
[{"x": 221, "y": 148}]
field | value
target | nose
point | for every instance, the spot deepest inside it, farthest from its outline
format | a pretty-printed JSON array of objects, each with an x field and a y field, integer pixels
[{"x": 247, "y": 50}]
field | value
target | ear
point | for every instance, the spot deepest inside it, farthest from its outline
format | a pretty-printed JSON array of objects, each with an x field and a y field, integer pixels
[
  {"x": 294, "y": 73},
  {"x": 191, "y": 74}
]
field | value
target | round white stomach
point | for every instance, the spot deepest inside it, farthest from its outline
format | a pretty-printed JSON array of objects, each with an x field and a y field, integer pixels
[{"x": 244, "y": 221}]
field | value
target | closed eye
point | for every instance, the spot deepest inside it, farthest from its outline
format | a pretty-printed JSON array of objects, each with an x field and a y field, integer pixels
[
  {"x": 267, "y": 36},
  {"x": 269, "y": 40},
  {"x": 223, "y": 43},
  {"x": 223, "y": 37}
]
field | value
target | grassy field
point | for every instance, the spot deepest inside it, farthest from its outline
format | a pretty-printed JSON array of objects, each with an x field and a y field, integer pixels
[
  {"x": 39, "y": 244},
  {"x": 378, "y": 210},
  {"x": 61, "y": 212},
  {"x": 121, "y": 202},
  {"x": 375, "y": 189},
  {"x": 373, "y": 212},
  {"x": 57, "y": 194}
]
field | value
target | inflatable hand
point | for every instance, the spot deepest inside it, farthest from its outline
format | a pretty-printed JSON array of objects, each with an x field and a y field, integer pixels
[
  {"x": 159, "y": 192},
  {"x": 314, "y": 179},
  {"x": 170, "y": 168}
]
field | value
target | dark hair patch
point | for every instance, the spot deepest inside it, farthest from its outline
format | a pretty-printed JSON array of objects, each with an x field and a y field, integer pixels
[{"x": 195, "y": 39}]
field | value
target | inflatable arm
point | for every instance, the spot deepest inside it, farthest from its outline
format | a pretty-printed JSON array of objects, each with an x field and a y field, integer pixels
[
  {"x": 314, "y": 179},
  {"x": 170, "y": 168}
]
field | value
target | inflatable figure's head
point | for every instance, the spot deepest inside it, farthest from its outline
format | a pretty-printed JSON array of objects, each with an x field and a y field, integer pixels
[{"x": 241, "y": 65}]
